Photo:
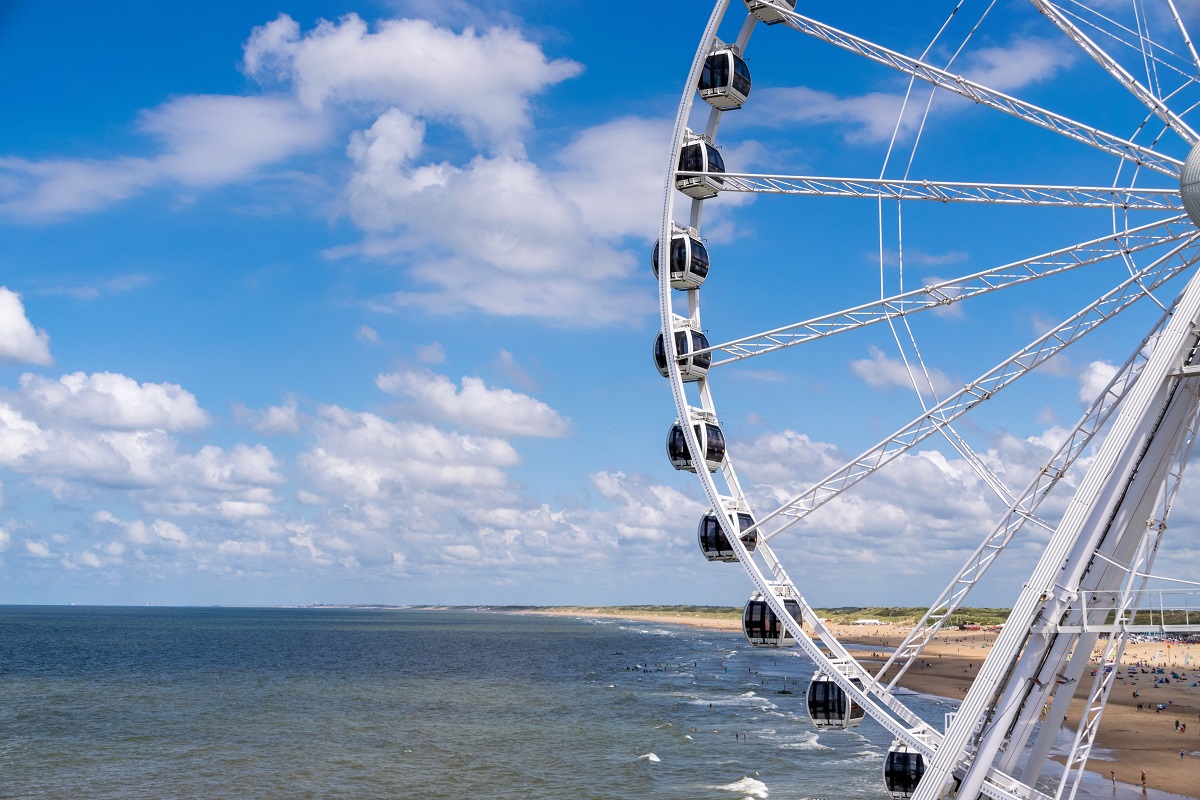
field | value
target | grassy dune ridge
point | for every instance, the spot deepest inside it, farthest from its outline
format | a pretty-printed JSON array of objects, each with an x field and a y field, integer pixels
[{"x": 842, "y": 615}]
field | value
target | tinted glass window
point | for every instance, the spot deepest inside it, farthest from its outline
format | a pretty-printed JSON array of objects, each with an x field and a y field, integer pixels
[
  {"x": 715, "y": 74},
  {"x": 699, "y": 259},
  {"x": 715, "y": 162},
  {"x": 699, "y": 342},
  {"x": 660, "y": 355},
  {"x": 678, "y": 256},
  {"x": 715, "y": 451},
  {"x": 741, "y": 76},
  {"x": 691, "y": 159},
  {"x": 677, "y": 445}
]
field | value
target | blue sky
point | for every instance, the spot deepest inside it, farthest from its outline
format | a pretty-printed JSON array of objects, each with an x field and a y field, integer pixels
[{"x": 350, "y": 302}]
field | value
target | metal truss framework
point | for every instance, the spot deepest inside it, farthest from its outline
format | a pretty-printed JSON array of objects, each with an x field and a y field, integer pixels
[
  {"x": 1092, "y": 577},
  {"x": 1125, "y": 198}
]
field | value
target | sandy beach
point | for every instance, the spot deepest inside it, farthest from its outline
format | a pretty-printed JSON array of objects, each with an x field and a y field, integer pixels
[{"x": 1129, "y": 740}]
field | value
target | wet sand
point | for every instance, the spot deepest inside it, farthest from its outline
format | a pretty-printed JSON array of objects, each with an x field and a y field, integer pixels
[{"x": 1128, "y": 741}]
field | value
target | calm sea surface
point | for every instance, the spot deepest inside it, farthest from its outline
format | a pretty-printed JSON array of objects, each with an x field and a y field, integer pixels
[{"x": 306, "y": 703}]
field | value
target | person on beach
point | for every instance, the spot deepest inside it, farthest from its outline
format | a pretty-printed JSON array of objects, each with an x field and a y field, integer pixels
[
  {"x": 1113, "y": 775},
  {"x": 1143, "y": 779}
]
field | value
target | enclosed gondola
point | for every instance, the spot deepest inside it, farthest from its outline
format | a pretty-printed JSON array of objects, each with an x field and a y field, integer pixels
[
  {"x": 693, "y": 365},
  {"x": 698, "y": 155},
  {"x": 713, "y": 542},
  {"x": 829, "y": 706},
  {"x": 762, "y": 627},
  {"x": 725, "y": 79},
  {"x": 902, "y": 770},
  {"x": 689, "y": 259},
  {"x": 768, "y": 10},
  {"x": 711, "y": 440}
]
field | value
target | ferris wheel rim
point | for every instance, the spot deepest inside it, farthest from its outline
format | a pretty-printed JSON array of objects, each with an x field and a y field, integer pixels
[{"x": 840, "y": 665}]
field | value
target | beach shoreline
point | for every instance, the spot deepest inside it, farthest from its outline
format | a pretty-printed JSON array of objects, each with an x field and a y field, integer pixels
[{"x": 1130, "y": 740}]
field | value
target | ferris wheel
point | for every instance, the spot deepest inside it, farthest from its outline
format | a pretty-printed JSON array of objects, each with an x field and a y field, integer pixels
[{"x": 1095, "y": 583}]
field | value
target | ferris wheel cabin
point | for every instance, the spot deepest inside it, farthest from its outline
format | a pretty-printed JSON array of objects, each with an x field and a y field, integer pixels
[
  {"x": 692, "y": 366},
  {"x": 712, "y": 443},
  {"x": 829, "y": 706},
  {"x": 689, "y": 259},
  {"x": 902, "y": 770},
  {"x": 713, "y": 542},
  {"x": 763, "y": 628},
  {"x": 698, "y": 155},
  {"x": 768, "y": 10},
  {"x": 725, "y": 79}
]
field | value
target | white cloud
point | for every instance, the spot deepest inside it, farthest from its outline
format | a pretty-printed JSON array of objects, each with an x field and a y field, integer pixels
[
  {"x": 872, "y": 117},
  {"x": 366, "y": 333},
  {"x": 4, "y": 540},
  {"x": 496, "y": 236},
  {"x": 109, "y": 400},
  {"x": 215, "y": 139},
  {"x": 19, "y": 341},
  {"x": 433, "y": 353},
  {"x": 1019, "y": 63},
  {"x": 362, "y": 455},
  {"x": 479, "y": 81},
  {"x": 118, "y": 285},
  {"x": 273, "y": 419},
  {"x": 1092, "y": 380},
  {"x": 38, "y": 549},
  {"x": 883, "y": 372},
  {"x": 208, "y": 140},
  {"x": 475, "y": 405},
  {"x": 617, "y": 202}
]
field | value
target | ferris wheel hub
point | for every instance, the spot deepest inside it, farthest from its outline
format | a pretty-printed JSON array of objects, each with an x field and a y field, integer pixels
[{"x": 1189, "y": 184}]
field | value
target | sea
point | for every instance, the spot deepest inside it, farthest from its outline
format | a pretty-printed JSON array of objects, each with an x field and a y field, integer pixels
[{"x": 423, "y": 704}]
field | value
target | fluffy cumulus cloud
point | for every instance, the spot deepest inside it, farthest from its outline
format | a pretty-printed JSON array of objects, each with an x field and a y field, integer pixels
[
  {"x": 365, "y": 456},
  {"x": 19, "y": 340},
  {"x": 881, "y": 371},
  {"x": 489, "y": 230},
  {"x": 496, "y": 235},
  {"x": 929, "y": 510},
  {"x": 481, "y": 82},
  {"x": 474, "y": 405},
  {"x": 108, "y": 400},
  {"x": 1092, "y": 380},
  {"x": 108, "y": 431}
]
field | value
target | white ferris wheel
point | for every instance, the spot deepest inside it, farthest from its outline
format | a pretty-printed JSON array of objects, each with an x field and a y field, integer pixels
[{"x": 1095, "y": 582}]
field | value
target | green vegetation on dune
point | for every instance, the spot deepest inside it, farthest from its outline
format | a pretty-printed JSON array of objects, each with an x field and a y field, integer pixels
[{"x": 843, "y": 615}]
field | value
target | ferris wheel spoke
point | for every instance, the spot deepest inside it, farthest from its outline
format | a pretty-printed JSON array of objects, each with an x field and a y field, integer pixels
[
  {"x": 1157, "y": 199},
  {"x": 1183, "y": 31},
  {"x": 983, "y": 388},
  {"x": 1183, "y": 67},
  {"x": 1019, "y": 510},
  {"x": 1119, "y": 73},
  {"x": 984, "y": 95},
  {"x": 948, "y": 292}
]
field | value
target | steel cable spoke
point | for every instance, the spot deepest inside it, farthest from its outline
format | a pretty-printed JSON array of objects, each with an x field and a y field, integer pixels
[
  {"x": 985, "y": 96},
  {"x": 1020, "y": 510},
  {"x": 986, "y": 386},
  {"x": 1119, "y": 73}
]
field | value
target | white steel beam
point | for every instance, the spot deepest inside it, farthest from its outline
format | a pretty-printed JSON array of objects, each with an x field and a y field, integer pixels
[
  {"x": 954, "y": 290},
  {"x": 1153, "y": 199}
]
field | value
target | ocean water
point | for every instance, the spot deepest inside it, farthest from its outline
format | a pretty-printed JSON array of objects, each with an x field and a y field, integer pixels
[{"x": 332, "y": 703}]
